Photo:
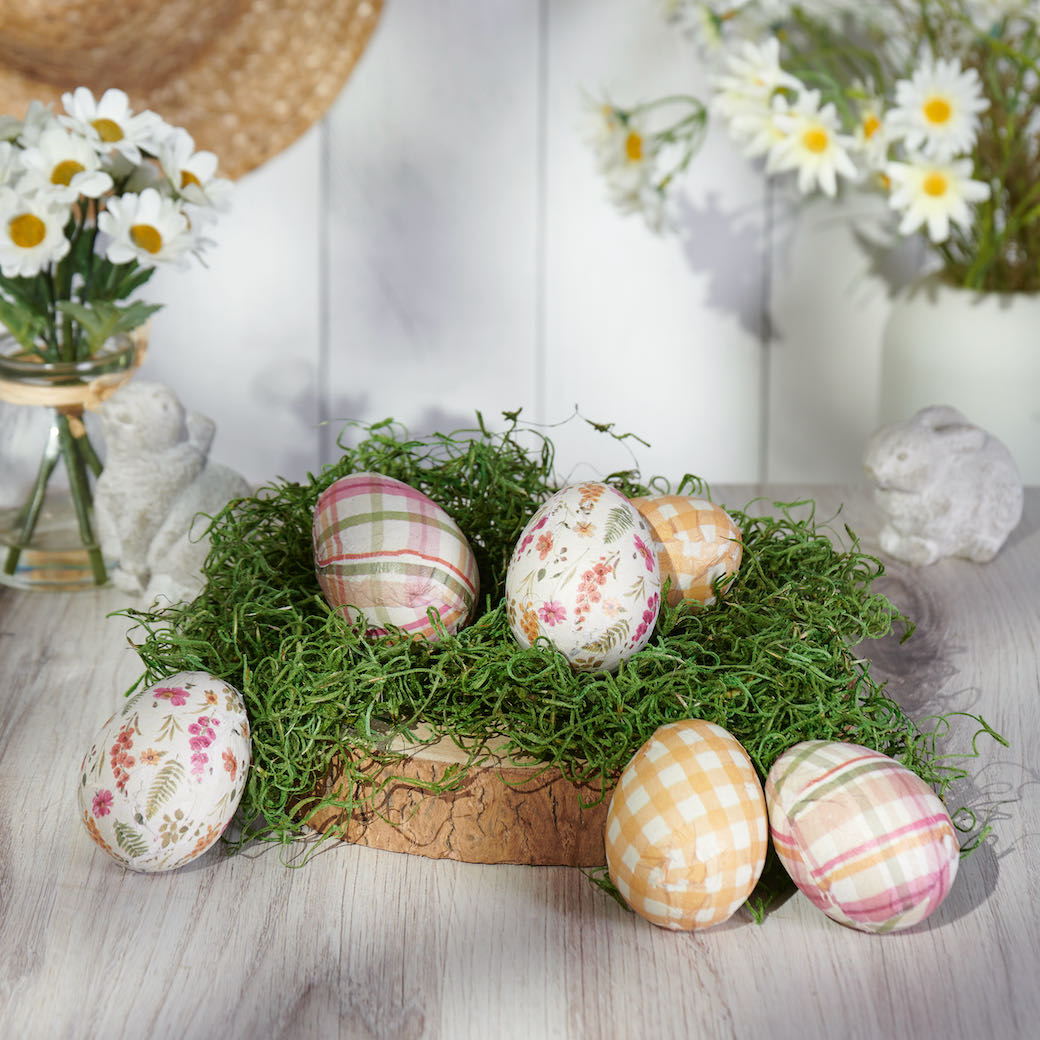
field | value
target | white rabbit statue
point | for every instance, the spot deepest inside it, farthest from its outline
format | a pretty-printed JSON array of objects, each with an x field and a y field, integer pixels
[
  {"x": 944, "y": 486},
  {"x": 156, "y": 481}
]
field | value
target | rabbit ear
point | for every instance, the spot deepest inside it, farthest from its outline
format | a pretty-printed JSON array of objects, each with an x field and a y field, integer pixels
[
  {"x": 939, "y": 415},
  {"x": 962, "y": 437}
]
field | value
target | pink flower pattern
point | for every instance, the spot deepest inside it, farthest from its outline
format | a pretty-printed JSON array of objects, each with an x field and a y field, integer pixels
[
  {"x": 178, "y": 751},
  {"x": 202, "y": 733},
  {"x": 552, "y": 613},
  {"x": 102, "y": 804},
  {"x": 174, "y": 694},
  {"x": 648, "y": 556}
]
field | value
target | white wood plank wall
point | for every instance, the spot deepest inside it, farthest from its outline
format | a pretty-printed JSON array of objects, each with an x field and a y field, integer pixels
[{"x": 442, "y": 243}]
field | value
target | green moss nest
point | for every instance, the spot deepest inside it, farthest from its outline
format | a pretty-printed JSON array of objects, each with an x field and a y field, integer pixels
[{"x": 772, "y": 661}]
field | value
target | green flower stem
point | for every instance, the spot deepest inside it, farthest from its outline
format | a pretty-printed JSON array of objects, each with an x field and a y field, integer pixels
[
  {"x": 90, "y": 456},
  {"x": 79, "y": 485},
  {"x": 31, "y": 510}
]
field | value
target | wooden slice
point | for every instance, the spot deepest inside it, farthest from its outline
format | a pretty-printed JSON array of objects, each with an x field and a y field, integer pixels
[{"x": 501, "y": 811}]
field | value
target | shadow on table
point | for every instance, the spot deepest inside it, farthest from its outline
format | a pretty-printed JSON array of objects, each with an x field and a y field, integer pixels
[{"x": 917, "y": 671}]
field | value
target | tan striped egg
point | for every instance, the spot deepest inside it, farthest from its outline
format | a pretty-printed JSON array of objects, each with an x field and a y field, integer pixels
[
  {"x": 696, "y": 542},
  {"x": 686, "y": 832}
]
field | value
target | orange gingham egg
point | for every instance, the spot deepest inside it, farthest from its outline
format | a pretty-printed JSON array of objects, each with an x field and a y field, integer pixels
[
  {"x": 687, "y": 831},
  {"x": 696, "y": 542}
]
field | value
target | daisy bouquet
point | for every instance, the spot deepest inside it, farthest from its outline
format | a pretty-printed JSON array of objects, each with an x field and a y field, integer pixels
[
  {"x": 933, "y": 104},
  {"x": 93, "y": 200}
]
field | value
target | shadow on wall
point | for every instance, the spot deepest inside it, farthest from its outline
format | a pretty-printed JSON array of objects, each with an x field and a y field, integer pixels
[
  {"x": 344, "y": 425},
  {"x": 731, "y": 249}
]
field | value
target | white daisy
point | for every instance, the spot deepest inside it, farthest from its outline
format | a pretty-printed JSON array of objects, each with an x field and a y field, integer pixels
[
  {"x": 934, "y": 194},
  {"x": 937, "y": 110},
  {"x": 65, "y": 165},
  {"x": 744, "y": 94},
  {"x": 761, "y": 132},
  {"x": 872, "y": 134},
  {"x": 38, "y": 118},
  {"x": 148, "y": 228},
  {"x": 192, "y": 174},
  {"x": 11, "y": 168},
  {"x": 109, "y": 124},
  {"x": 813, "y": 145},
  {"x": 32, "y": 234},
  {"x": 625, "y": 150}
]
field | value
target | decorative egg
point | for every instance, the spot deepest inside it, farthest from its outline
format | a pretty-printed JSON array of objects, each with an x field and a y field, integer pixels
[
  {"x": 165, "y": 775},
  {"x": 687, "y": 833},
  {"x": 696, "y": 543},
  {"x": 584, "y": 576},
  {"x": 865, "y": 838},
  {"x": 388, "y": 552}
]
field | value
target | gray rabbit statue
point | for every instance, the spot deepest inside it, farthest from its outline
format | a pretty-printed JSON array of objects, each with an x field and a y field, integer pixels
[
  {"x": 156, "y": 482},
  {"x": 945, "y": 487}
]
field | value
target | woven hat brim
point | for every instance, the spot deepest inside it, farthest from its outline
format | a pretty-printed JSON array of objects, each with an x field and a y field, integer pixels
[{"x": 261, "y": 83}]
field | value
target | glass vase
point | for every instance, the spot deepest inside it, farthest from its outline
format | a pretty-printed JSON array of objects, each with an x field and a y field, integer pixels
[
  {"x": 975, "y": 351},
  {"x": 49, "y": 462}
]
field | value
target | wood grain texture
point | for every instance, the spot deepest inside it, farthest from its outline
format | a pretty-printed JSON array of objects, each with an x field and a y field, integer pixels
[{"x": 364, "y": 943}]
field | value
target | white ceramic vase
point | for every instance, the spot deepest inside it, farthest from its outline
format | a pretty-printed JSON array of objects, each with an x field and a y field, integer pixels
[{"x": 979, "y": 352}]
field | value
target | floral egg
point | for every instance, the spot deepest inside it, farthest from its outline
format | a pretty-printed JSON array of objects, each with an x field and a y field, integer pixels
[
  {"x": 865, "y": 838},
  {"x": 584, "y": 576},
  {"x": 696, "y": 543},
  {"x": 388, "y": 552},
  {"x": 687, "y": 833},
  {"x": 165, "y": 775}
]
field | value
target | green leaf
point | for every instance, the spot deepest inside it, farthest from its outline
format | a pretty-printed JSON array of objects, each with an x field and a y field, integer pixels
[
  {"x": 129, "y": 840},
  {"x": 132, "y": 281},
  {"x": 101, "y": 320},
  {"x": 617, "y": 633},
  {"x": 164, "y": 786},
  {"x": 25, "y": 324},
  {"x": 619, "y": 520},
  {"x": 117, "y": 281}
]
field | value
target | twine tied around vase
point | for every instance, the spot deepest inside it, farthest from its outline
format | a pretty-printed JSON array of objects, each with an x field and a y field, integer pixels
[{"x": 77, "y": 397}]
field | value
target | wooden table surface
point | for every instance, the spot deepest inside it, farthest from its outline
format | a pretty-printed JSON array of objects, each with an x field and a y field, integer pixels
[{"x": 364, "y": 943}]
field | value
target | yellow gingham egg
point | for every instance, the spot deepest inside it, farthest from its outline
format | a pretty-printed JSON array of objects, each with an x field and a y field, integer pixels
[
  {"x": 696, "y": 542},
  {"x": 687, "y": 831}
]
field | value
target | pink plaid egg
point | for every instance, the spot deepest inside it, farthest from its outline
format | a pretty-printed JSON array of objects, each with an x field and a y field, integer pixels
[
  {"x": 865, "y": 838},
  {"x": 390, "y": 553}
]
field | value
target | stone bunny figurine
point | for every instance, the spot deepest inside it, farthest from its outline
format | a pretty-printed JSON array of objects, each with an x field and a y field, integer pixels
[
  {"x": 156, "y": 481},
  {"x": 944, "y": 486}
]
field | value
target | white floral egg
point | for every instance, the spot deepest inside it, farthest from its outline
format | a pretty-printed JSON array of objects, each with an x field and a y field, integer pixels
[
  {"x": 686, "y": 833},
  {"x": 865, "y": 838},
  {"x": 386, "y": 551},
  {"x": 166, "y": 773},
  {"x": 584, "y": 576},
  {"x": 696, "y": 542}
]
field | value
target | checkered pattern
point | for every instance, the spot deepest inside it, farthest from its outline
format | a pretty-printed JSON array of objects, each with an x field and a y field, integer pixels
[
  {"x": 392, "y": 552},
  {"x": 686, "y": 830},
  {"x": 865, "y": 838},
  {"x": 697, "y": 542}
]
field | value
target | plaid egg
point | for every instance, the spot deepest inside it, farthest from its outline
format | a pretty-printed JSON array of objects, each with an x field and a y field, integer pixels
[
  {"x": 390, "y": 553},
  {"x": 686, "y": 832},
  {"x": 696, "y": 542},
  {"x": 865, "y": 838}
]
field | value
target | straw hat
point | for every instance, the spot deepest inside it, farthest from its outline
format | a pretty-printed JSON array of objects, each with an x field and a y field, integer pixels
[{"x": 244, "y": 77}]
